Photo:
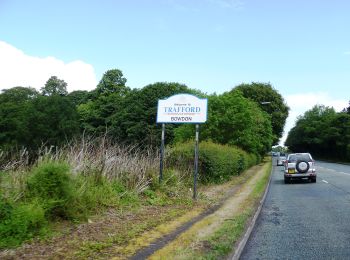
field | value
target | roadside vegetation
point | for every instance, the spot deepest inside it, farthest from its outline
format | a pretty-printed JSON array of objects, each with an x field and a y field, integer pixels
[
  {"x": 215, "y": 236},
  {"x": 91, "y": 176},
  {"x": 232, "y": 229},
  {"x": 322, "y": 132},
  {"x": 71, "y": 183},
  {"x": 66, "y": 157}
]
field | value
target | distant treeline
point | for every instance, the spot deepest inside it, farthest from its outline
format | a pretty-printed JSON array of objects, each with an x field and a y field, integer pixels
[
  {"x": 323, "y": 132},
  {"x": 250, "y": 116}
]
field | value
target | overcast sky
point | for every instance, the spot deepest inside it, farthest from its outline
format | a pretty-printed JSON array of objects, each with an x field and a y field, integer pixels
[{"x": 301, "y": 47}]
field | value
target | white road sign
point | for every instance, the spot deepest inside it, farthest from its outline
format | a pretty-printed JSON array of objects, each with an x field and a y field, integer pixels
[{"x": 182, "y": 108}]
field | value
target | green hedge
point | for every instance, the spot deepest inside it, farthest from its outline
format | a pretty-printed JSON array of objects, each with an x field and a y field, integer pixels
[{"x": 217, "y": 163}]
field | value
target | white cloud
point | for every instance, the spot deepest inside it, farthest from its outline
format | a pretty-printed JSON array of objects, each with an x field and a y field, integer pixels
[
  {"x": 20, "y": 69},
  {"x": 300, "y": 103}
]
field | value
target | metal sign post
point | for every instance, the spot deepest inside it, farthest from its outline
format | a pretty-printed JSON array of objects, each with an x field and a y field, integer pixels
[
  {"x": 162, "y": 154},
  {"x": 196, "y": 151},
  {"x": 182, "y": 109}
]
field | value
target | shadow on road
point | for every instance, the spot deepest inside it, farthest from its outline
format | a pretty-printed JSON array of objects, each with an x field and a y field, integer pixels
[{"x": 296, "y": 181}]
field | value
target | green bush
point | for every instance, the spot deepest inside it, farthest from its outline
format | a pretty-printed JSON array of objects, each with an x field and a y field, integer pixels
[
  {"x": 21, "y": 222},
  {"x": 52, "y": 184},
  {"x": 217, "y": 163}
]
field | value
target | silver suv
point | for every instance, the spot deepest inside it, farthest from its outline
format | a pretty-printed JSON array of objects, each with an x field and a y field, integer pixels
[
  {"x": 299, "y": 166},
  {"x": 281, "y": 159}
]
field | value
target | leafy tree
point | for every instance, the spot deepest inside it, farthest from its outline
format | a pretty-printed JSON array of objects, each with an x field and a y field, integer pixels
[
  {"x": 15, "y": 108},
  {"x": 29, "y": 120},
  {"x": 103, "y": 103},
  {"x": 234, "y": 120},
  {"x": 18, "y": 94},
  {"x": 54, "y": 86},
  {"x": 322, "y": 132},
  {"x": 261, "y": 93},
  {"x": 136, "y": 121},
  {"x": 129, "y": 116},
  {"x": 113, "y": 82},
  {"x": 280, "y": 149},
  {"x": 95, "y": 115},
  {"x": 56, "y": 121},
  {"x": 79, "y": 97},
  {"x": 339, "y": 143}
]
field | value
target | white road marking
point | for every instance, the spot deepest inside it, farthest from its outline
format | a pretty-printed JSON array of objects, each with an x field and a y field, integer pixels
[
  {"x": 344, "y": 173},
  {"x": 325, "y": 181}
]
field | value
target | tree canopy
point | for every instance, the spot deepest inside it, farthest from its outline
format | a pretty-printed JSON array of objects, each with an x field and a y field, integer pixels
[
  {"x": 129, "y": 115},
  {"x": 323, "y": 132},
  {"x": 28, "y": 119},
  {"x": 15, "y": 108},
  {"x": 270, "y": 101},
  {"x": 54, "y": 86},
  {"x": 113, "y": 81},
  {"x": 235, "y": 120}
]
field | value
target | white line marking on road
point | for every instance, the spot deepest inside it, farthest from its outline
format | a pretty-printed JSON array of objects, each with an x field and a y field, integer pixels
[
  {"x": 344, "y": 173},
  {"x": 325, "y": 181}
]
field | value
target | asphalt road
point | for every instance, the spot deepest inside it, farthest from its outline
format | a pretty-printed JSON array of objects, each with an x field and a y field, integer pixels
[{"x": 304, "y": 220}]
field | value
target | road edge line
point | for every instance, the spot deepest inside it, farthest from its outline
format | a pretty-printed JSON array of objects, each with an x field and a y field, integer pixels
[{"x": 243, "y": 242}]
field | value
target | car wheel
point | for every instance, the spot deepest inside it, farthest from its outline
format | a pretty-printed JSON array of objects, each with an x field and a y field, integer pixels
[
  {"x": 313, "y": 179},
  {"x": 302, "y": 166}
]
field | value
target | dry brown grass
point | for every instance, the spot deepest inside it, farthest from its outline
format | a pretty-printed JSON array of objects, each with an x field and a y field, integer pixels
[{"x": 98, "y": 157}]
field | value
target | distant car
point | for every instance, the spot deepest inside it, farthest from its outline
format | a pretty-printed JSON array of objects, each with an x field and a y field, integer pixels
[
  {"x": 299, "y": 166},
  {"x": 274, "y": 154},
  {"x": 281, "y": 159}
]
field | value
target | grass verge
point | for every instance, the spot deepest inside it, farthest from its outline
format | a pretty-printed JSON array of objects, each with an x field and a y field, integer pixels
[
  {"x": 232, "y": 229},
  {"x": 214, "y": 237}
]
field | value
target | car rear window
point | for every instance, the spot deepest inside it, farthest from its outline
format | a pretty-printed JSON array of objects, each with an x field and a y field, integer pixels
[{"x": 303, "y": 157}]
